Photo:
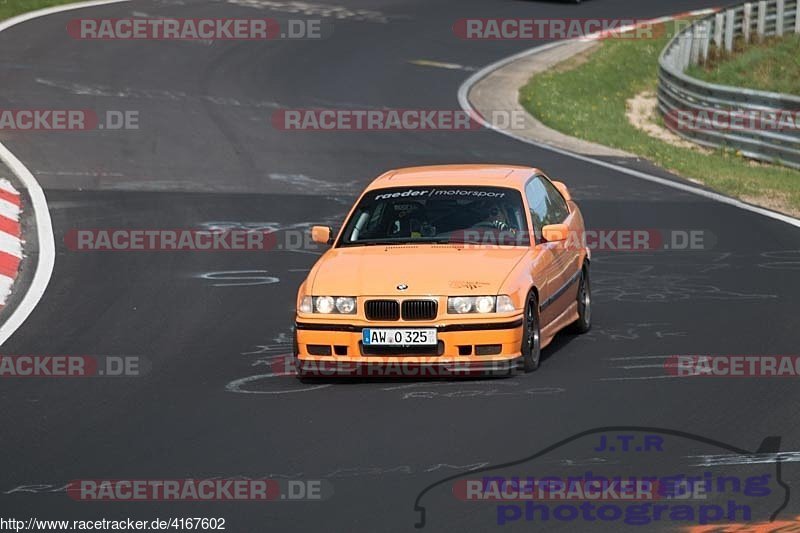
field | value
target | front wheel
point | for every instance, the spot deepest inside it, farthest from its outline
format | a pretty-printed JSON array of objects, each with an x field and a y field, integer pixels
[
  {"x": 584, "y": 300},
  {"x": 531, "y": 342}
]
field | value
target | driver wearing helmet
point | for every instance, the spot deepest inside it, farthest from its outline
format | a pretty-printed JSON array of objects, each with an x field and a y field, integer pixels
[{"x": 496, "y": 217}]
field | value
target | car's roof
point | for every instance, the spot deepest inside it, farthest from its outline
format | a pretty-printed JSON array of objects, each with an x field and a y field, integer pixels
[{"x": 487, "y": 175}]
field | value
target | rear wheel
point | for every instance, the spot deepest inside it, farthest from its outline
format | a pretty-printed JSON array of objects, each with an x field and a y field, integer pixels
[
  {"x": 531, "y": 341},
  {"x": 584, "y": 300}
]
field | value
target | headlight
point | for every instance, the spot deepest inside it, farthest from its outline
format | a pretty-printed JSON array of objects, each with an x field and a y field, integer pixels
[
  {"x": 459, "y": 305},
  {"x": 326, "y": 305},
  {"x": 505, "y": 304},
  {"x": 323, "y": 304},
  {"x": 346, "y": 305},
  {"x": 484, "y": 304}
]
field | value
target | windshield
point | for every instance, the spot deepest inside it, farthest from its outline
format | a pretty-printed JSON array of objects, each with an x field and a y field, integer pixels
[{"x": 440, "y": 214}]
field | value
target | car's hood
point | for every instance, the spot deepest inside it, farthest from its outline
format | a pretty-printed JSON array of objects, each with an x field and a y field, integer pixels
[{"x": 426, "y": 269}]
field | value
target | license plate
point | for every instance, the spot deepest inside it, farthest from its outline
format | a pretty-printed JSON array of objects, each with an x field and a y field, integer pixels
[{"x": 399, "y": 337}]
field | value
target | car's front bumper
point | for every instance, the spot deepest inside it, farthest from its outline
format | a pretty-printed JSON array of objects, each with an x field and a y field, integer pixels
[{"x": 463, "y": 349}]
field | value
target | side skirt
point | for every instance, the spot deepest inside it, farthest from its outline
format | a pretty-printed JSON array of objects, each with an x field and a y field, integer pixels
[{"x": 563, "y": 320}]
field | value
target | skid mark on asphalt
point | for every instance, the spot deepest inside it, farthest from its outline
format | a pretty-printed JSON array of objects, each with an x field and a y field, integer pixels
[
  {"x": 277, "y": 356},
  {"x": 297, "y": 242},
  {"x": 781, "y": 260},
  {"x": 643, "y": 284},
  {"x": 271, "y": 354},
  {"x": 634, "y": 331},
  {"x": 238, "y": 278},
  {"x": 750, "y": 459},
  {"x": 440, "y": 64},
  {"x": 82, "y": 173},
  {"x": 106, "y": 91},
  {"x": 309, "y": 185},
  {"x": 654, "y": 365},
  {"x": 240, "y": 385},
  {"x": 312, "y": 9},
  {"x": 268, "y": 226},
  {"x": 337, "y": 473}
]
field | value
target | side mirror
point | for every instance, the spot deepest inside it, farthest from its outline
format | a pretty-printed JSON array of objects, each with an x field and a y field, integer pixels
[
  {"x": 555, "y": 232},
  {"x": 321, "y": 234},
  {"x": 563, "y": 190}
]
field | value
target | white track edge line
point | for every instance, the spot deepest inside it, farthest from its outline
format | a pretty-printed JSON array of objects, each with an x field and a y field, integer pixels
[
  {"x": 44, "y": 226},
  {"x": 463, "y": 100}
]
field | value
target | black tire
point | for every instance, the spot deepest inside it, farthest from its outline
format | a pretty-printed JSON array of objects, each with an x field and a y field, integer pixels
[
  {"x": 584, "y": 298},
  {"x": 531, "y": 335}
]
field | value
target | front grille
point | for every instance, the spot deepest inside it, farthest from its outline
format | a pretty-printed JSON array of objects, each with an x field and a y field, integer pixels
[
  {"x": 419, "y": 309},
  {"x": 382, "y": 310}
]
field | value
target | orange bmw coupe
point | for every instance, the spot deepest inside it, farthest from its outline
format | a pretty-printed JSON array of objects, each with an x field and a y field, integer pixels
[{"x": 446, "y": 269}]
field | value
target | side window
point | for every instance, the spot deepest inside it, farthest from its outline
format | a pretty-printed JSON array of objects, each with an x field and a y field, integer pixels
[
  {"x": 557, "y": 210},
  {"x": 537, "y": 198},
  {"x": 546, "y": 204}
]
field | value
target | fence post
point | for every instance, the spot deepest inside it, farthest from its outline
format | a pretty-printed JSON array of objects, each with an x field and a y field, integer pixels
[
  {"x": 747, "y": 22},
  {"x": 719, "y": 24},
  {"x": 683, "y": 51},
  {"x": 779, "y": 18},
  {"x": 729, "y": 14},
  {"x": 706, "y": 41},
  {"x": 797, "y": 18},
  {"x": 694, "y": 55},
  {"x": 761, "y": 23}
]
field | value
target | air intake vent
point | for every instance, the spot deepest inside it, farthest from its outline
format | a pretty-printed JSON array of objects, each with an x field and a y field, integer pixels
[
  {"x": 419, "y": 309},
  {"x": 382, "y": 310}
]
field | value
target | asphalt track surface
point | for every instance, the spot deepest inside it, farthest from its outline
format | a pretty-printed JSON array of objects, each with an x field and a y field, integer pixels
[{"x": 206, "y": 153}]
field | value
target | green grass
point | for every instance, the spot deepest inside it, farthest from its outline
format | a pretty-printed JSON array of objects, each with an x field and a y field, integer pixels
[
  {"x": 9, "y": 8},
  {"x": 589, "y": 102},
  {"x": 772, "y": 66}
]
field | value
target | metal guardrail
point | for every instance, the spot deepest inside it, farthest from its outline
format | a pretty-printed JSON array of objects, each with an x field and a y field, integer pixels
[{"x": 767, "y": 124}]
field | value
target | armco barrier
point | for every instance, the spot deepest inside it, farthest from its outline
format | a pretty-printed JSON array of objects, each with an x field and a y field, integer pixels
[{"x": 680, "y": 95}]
